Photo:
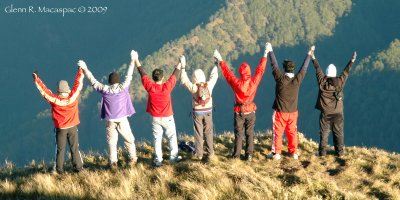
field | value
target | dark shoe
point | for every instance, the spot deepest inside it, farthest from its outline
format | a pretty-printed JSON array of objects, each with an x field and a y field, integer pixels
[
  {"x": 249, "y": 157},
  {"x": 320, "y": 153}
]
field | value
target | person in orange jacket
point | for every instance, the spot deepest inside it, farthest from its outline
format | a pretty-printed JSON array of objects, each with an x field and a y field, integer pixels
[
  {"x": 245, "y": 89},
  {"x": 64, "y": 109}
]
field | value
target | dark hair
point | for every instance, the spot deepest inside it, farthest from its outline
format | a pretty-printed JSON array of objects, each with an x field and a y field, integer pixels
[
  {"x": 113, "y": 78},
  {"x": 289, "y": 65},
  {"x": 157, "y": 74}
]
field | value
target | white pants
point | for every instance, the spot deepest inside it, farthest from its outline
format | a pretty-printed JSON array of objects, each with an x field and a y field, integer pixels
[
  {"x": 122, "y": 127},
  {"x": 167, "y": 123}
]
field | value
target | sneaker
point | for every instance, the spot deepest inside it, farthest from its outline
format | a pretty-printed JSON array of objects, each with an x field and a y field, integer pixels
[
  {"x": 295, "y": 156},
  {"x": 249, "y": 157},
  {"x": 157, "y": 163},
  {"x": 276, "y": 156},
  {"x": 176, "y": 159}
]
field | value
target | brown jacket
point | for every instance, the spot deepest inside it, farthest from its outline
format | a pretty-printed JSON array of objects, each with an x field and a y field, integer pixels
[{"x": 327, "y": 102}]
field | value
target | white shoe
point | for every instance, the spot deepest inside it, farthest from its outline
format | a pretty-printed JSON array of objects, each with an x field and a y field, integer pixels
[
  {"x": 277, "y": 156},
  {"x": 295, "y": 156}
]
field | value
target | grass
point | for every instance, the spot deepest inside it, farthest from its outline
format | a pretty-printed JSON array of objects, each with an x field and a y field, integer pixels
[{"x": 361, "y": 174}]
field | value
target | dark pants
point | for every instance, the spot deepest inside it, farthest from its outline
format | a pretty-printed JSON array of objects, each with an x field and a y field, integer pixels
[
  {"x": 334, "y": 123},
  {"x": 61, "y": 138},
  {"x": 244, "y": 124},
  {"x": 203, "y": 127}
]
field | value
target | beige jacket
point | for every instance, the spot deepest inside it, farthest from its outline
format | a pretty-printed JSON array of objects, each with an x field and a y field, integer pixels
[{"x": 199, "y": 77}]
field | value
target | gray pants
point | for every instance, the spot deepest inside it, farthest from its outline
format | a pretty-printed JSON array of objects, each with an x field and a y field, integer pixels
[
  {"x": 203, "y": 127},
  {"x": 334, "y": 122},
  {"x": 244, "y": 124},
  {"x": 61, "y": 138}
]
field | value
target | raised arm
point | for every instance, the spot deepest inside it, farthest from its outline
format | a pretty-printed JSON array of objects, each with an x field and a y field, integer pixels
[
  {"x": 261, "y": 66},
  {"x": 44, "y": 91},
  {"x": 170, "y": 83},
  {"x": 306, "y": 61},
  {"x": 184, "y": 77},
  {"x": 78, "y": 85},
  {"x": 129, "y": 74},
  {"x": 274, "y": 64},
  {"x": 96, "y": 84},
  {"x": 213, "y": 78},
  {"x": 228, "y": 74},
  {"x": 346, "y": 70}
]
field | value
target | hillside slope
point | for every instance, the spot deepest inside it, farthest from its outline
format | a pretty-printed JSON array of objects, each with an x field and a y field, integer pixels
[{"x": 361, "y": 174}]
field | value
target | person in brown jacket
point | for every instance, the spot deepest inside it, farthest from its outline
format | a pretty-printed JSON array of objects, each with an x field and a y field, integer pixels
[{"x": 330, "y": 103}]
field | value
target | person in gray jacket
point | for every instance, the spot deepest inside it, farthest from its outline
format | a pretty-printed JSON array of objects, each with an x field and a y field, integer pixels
[
  {"x": 330, "y": 103},
  {"x": 202, "y": 105}
]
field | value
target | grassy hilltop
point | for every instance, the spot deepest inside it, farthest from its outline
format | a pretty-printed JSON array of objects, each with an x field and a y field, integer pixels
[{"x": 361, "y": 174}]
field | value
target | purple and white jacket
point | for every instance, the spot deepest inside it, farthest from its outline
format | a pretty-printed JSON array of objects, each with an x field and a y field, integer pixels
[{"x": 116, "y": 102}]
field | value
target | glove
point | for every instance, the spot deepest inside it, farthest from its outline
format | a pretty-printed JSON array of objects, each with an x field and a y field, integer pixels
[
  {"x": 134, "y": 55},
  {"x": 268, "y": 48},
  {"x": 354, "y": 57},
  {"x": 217, "y": 56},
  {"x": 182, "y": 60},
  {"x": 82, "y": 64},
  {"x": 35, "y": 74},
  {"x": 311, "y": 51}
]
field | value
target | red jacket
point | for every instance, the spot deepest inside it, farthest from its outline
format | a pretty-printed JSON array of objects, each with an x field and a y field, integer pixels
[
  {"x": 159, "y": 103},
  {"x": 244, "y": 88},
  {"x": 64, "y": 110}
]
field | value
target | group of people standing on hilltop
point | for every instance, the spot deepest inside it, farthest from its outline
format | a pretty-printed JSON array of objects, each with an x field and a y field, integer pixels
[{"x": 116, "y": 107}]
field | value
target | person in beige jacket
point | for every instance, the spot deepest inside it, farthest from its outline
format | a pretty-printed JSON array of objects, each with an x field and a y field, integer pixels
[{"x": 202, "y": 105}]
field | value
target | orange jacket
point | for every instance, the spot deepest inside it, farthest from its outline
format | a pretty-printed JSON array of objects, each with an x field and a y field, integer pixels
[
  {"x": 64, "y": 110},
  {"x": 244, "y": 88}
]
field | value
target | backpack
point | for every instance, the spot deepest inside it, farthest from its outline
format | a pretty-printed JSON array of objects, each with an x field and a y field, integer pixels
[{"x": 203, "y": 95}]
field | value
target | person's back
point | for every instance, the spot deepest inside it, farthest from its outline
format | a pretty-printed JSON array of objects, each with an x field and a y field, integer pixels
[
  {"x": 65, "y": 115},
  {"x": 159, "y": 106},
  {"x": 116, "y": 107},
  {"x": 244, "y": 89},
  {"x": 285, "y": 113},
  {"x": 287, "y": 85},
  {"x": 330, "y": 103},
  {"x": 329, "y": 89},
  {"x": 202, "y": 105}
]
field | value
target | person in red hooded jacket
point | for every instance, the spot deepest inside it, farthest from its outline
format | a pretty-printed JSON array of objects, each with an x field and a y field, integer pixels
[{"x": 245, "y": 90}]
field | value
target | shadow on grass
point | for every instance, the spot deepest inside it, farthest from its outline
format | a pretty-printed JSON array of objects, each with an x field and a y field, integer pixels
[{"x": 289, "y": 179}]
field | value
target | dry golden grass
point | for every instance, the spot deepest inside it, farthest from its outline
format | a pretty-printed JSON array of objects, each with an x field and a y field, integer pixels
[{"x": 361, "y": 174}]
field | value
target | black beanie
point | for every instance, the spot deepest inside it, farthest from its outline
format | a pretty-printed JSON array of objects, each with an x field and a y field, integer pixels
[{"x": 113, "y": 78}]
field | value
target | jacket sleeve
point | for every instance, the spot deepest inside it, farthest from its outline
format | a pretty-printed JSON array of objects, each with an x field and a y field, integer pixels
[
  {"x": 170, "y": 84},
  {"x": 260, "y": 70},
  {"x": 44, "y": 91},
  {"x": 318, "y": 71},
  {"x": 274, "y": 64},
  {"x": 96, "y": 84},
  {"x": 128, "y": 77},
  {"x": 187, "y": 83},
  {"x": 228, "y": 74},
  {"x": 213, "y": 78},
  {"x": 302, "y": 72},
  {"x": 345, "y": 74},
  {"x": 78, "y": 85}
]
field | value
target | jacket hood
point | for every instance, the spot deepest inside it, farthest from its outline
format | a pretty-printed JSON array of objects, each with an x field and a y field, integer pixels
[
  {"x": 244, "y": 71},
  {"x": 198, "y": 76}
]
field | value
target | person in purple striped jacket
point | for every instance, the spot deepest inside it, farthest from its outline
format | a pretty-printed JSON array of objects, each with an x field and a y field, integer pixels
[{"x": 116, "y": 107}]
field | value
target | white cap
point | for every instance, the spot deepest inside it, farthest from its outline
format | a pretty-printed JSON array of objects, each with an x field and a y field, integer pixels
[{"x": 331, "y": 71}]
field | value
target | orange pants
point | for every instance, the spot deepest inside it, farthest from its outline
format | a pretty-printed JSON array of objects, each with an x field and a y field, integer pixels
[{"x": 281, "y": 122}]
